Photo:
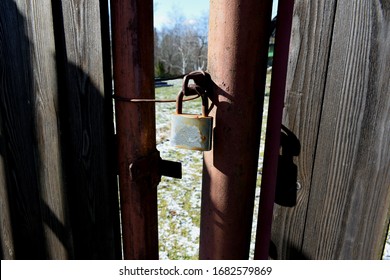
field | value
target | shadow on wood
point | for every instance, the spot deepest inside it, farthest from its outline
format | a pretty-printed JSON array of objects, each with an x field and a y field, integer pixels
[
  {"x": 294, "y": 252},
  {"x": 57, "y": 184},
  {"x": 287, "y": 185}
]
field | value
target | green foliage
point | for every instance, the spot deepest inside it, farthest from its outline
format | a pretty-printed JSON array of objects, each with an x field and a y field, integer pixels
[{"x": 160, "y": 70}]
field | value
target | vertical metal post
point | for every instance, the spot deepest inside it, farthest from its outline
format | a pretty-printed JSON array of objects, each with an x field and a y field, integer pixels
[
  {"x": 238, "y": 45},
  {"x": 272, "y": 144},
  {"x": 132, "y": 31}
]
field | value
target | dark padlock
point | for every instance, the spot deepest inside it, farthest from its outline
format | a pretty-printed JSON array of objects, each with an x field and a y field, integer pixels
[{"x": 190, "y": 131}]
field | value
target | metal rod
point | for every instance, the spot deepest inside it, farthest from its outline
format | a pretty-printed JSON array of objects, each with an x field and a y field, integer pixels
[
  {"x": 142, "y": 100},
  {"x": 132, "y": 31},
  {"x": 272, "y": 144},
  {"x": 237, "y": 60}
]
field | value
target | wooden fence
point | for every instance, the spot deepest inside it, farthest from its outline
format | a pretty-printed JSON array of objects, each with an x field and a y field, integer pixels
[
  {"x": 58, "y": 188},
  {"x": 338, "y": 106}
]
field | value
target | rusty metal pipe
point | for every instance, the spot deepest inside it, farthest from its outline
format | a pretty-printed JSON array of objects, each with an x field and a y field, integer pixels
[
  {"x": 132, "y": 31},
  {"x": 237, "y": 59},
  {"x": 274, "y": 124}
]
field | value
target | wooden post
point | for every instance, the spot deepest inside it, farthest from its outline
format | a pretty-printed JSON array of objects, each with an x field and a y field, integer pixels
[
  {"x": 132, "y": 25},
  {"x": 237, "y": 59}
]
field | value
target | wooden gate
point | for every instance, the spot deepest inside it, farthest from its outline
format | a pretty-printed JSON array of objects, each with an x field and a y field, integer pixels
[
  {"x": 338, "y": 106},
  {"x": 57, "y": 182},
  {"x": 58, "y": 186}
]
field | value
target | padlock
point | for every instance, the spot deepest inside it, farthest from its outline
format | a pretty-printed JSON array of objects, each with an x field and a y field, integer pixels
[{"x": 190, "y": 131}]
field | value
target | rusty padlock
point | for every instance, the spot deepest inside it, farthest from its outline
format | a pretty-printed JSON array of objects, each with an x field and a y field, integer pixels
[{"x": 189, "y": 131}]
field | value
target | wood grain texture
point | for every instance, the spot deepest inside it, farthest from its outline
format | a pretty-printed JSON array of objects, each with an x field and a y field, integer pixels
[
  {"x": 58, "y": 189},
  {"x": 309, "y": 52},
  {"x": 342, "y": 122},
  {"x": 48, "y": 158},
  {"x": 7, "y": 250},
  {"x": 349, "y": 204},
  {"x": 16, "y": 124},
  {"x": 6, "y": 236},
  {"x": 33, "y": 178},
  {"x": 88, "y": 133}
]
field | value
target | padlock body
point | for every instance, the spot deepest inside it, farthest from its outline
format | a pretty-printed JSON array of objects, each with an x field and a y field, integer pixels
[{"x": 193, "y": 132}]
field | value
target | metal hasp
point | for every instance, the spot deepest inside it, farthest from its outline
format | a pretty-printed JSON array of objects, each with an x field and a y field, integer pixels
[
  {"x": 237, "y": 61},
  {"x": 190, "y": 131},
  {"x": 146, "y": 166},
  {"x": 274, "y": 126},
  {"x": 132, "y": 33}
]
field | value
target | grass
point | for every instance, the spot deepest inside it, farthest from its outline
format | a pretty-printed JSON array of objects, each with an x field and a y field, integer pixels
[{"x": 179, "y": 200}]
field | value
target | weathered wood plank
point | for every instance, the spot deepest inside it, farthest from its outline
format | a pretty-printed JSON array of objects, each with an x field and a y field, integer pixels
[
  {"x": 338, "y": 104},
  {"x": 309, "y": 54},
  {"x": 7, "y": 250},
  {"x": 350, "y": 195},
  {"x": 32, "y": 162},
  {"x": 56, "y": 132},
  {"x": 88, "y": 133},
  {"x": 53, "y": 199},
  {"x": 6, "y": 237},
  {"x": 16, "y": 116}
]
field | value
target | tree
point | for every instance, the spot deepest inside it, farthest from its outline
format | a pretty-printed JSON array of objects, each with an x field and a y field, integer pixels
[{"x": 182, "y": 47}]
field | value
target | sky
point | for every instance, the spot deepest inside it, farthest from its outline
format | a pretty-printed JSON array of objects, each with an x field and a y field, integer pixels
[{"x": 190, "y": 9}]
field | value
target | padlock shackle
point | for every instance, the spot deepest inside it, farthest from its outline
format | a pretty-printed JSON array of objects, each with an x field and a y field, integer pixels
[
  {"x": 198, "y": 77},
  {"x": 179, "y": 104},
  {"x": 205, "y": 105}
]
